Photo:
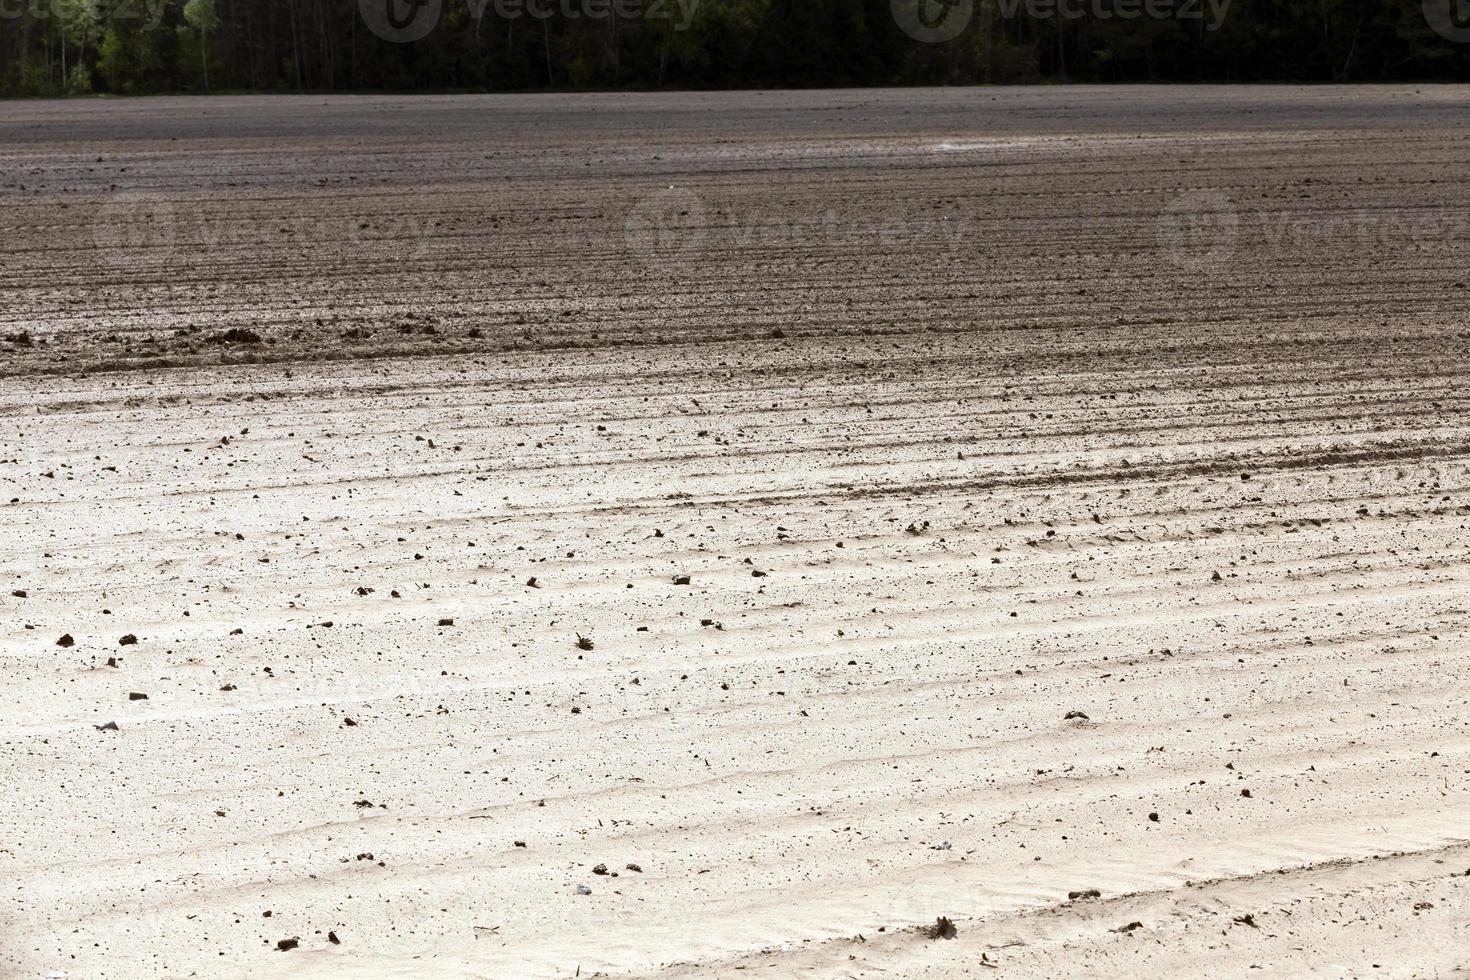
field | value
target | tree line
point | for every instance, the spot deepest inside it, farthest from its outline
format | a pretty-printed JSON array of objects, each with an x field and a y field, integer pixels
[{"x": 61, "y": 47}]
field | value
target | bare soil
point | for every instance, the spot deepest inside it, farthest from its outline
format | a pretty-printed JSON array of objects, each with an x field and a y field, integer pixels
[{"x": 848, "y": 508}]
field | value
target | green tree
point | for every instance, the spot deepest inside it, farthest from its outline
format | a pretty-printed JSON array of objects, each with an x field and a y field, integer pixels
[
  {"x": 115, "y": 61},
  {"x": 202, "y": 17},
  {"x": 80, "y": 22},
  {"x": 138, "y": 55}
]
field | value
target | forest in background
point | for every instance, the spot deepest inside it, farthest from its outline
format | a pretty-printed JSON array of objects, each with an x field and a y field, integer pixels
[{"x": 60, "y": 47}]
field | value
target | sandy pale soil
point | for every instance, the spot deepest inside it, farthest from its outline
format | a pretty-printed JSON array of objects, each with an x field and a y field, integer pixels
[{"x": 1045, "y": 509}]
